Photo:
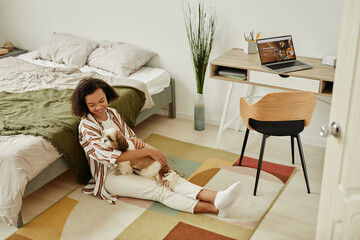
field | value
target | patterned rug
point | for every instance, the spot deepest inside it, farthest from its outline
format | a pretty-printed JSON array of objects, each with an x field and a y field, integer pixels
[{"x": 80, "y": 216}]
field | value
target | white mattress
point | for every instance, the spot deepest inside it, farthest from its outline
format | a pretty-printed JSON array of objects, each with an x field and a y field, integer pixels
[{"x": 155, "y": 79}]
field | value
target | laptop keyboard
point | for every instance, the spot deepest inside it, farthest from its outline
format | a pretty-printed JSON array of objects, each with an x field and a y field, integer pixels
[{"x": 284, "y": 65}]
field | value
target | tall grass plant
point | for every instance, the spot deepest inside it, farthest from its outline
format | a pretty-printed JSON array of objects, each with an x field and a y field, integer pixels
[{"x": 200, "y": 28}]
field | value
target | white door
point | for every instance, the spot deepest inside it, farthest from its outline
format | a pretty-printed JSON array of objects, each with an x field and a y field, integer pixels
[{"x": 339, "y": 211}]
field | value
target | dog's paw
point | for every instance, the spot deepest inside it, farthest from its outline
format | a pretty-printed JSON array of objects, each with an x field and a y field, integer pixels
[
  {"x": 126, "y": 171},
  {"x": 124, "y": 168},
  {"x": 117, "y": 172}
]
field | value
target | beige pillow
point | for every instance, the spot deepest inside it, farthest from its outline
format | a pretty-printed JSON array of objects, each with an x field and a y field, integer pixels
[
  {"x": 119, "y": 58},
  {"x": 66, "y": 48}
]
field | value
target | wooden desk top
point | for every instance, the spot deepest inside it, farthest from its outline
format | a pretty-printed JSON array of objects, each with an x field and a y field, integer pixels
[{"x": 236, "y": 58}]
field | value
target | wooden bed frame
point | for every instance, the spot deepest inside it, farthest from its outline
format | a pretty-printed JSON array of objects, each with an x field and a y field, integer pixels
[{"x": 161, "y": 100}]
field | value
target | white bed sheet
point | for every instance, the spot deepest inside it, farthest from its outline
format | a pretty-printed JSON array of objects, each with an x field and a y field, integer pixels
[
  {"x": 22, "y": 158},
  {"x": 155, "y": 79},
  {"x": 29, "y": 155}
]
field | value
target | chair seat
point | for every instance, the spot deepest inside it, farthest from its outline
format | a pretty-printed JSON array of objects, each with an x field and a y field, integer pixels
[{"x": 278, "y": 128}]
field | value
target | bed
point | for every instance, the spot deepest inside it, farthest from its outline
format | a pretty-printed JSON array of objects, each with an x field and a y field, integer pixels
[{"x": 40, "y": 161}]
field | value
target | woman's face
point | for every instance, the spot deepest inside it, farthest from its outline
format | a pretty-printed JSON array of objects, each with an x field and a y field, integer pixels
[{"x": 97, "y": 104}]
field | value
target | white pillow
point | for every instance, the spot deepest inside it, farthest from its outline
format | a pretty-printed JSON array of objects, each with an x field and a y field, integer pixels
[
  {"x": 66, "y": 48},
  {"x": 119, "y": 58}
]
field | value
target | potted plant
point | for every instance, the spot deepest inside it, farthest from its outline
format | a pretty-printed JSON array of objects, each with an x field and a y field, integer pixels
[{"x": 200, "y": 29}]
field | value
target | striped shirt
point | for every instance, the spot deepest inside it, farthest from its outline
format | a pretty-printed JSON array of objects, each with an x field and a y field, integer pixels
[{"x": 99, "y": 157}]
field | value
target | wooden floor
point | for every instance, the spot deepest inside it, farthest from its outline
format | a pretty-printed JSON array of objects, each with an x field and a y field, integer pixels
[{"x": 294, "y": 214}]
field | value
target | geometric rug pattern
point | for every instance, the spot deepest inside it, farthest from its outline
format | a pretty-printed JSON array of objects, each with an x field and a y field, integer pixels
[{"x": 80, "y": 216}]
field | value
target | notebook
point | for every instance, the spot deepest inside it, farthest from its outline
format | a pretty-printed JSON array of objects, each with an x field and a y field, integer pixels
[
  {"x": 238, "y": 74},
  {"x": 277, "y": 54}
]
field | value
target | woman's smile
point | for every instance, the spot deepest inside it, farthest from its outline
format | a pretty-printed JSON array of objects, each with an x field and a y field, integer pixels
[
  {"x": 99, "y": 111},
  {"x": 97, "y": 104}
]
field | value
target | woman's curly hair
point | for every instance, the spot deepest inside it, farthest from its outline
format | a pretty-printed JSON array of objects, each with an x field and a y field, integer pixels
[{"x": 85, "y": 87}]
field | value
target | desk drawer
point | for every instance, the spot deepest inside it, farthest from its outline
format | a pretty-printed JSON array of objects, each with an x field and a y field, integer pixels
[{"x": 274, "y": 80}]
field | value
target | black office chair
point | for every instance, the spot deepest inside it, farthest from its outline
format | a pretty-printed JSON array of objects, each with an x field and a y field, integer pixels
[{"x": 278, "y": 114}]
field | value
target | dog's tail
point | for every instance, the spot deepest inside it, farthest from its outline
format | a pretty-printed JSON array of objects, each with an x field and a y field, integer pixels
[{"x": 168, "y": 177}]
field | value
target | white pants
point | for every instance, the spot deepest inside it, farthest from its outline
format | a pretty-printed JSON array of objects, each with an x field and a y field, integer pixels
[{"x": 182, "y": 198}]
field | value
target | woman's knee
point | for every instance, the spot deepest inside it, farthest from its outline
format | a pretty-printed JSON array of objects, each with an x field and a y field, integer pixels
[{"x": 161, "y": 193}]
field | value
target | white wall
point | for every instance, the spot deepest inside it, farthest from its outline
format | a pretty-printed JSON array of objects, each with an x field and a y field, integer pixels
[{"x": 158, "y": 25}]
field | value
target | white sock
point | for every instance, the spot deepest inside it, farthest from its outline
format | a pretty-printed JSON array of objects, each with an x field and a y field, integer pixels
[
  {"x": 224, "y": 212},
  {"x": 226, "y": 197}
]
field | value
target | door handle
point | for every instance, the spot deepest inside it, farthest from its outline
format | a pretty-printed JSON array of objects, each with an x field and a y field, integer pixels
[{"x": 333, "y": 129}]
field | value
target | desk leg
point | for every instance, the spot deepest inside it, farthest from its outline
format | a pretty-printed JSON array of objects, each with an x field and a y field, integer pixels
[
  {"x": 226, "y": 106},
  {"x": 249, "y": 94}
]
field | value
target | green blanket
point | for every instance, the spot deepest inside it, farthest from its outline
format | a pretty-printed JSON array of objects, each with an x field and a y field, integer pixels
[{"x": 47, "y": 113}]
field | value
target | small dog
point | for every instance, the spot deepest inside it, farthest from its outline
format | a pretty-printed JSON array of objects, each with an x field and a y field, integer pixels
[{"x": 146, "y": 166}]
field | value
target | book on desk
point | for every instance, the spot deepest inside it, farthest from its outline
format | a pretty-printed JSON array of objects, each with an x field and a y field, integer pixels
[{"x": 239, "y": 74}]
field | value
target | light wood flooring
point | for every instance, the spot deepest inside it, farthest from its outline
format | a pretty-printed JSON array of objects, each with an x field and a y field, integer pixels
[{"x": 294, "y": 214}]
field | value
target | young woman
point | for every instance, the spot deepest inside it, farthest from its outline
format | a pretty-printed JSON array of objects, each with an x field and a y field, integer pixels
[{"x": 90, "y": 101}]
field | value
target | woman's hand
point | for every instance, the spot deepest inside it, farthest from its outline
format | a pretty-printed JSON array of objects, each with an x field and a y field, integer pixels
[
  {"x": 158, "y": 156},
  {"x": 140, "y": 153},
  {"x": 138, "y": 143}
]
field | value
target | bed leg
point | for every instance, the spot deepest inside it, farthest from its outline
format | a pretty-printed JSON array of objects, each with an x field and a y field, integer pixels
[
  {"x": 172, "y": 105},
  {"x": 19, "y": 221}
]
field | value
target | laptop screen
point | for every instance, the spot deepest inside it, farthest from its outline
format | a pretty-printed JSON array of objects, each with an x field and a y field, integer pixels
[{"x": 276, "y": 49}]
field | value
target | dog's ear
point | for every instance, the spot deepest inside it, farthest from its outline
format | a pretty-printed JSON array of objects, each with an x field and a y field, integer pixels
[{"x": 122, "y": 143}]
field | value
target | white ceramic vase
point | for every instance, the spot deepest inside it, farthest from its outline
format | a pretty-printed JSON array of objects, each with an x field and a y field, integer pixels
[{"x": 199, "y": 112}]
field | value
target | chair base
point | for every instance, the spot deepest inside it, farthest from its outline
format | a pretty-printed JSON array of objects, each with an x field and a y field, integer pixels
[{"x": 262, "y": 149}]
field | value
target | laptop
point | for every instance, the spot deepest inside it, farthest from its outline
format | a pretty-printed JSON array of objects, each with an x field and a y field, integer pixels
[{"x": 277, "y": 54}]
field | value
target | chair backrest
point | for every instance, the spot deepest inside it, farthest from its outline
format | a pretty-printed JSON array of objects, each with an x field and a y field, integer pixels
[{"x": 280, "y": 106}]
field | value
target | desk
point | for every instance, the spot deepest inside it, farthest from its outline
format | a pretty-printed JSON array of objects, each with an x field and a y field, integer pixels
[{"x": 319, "y": 79}]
